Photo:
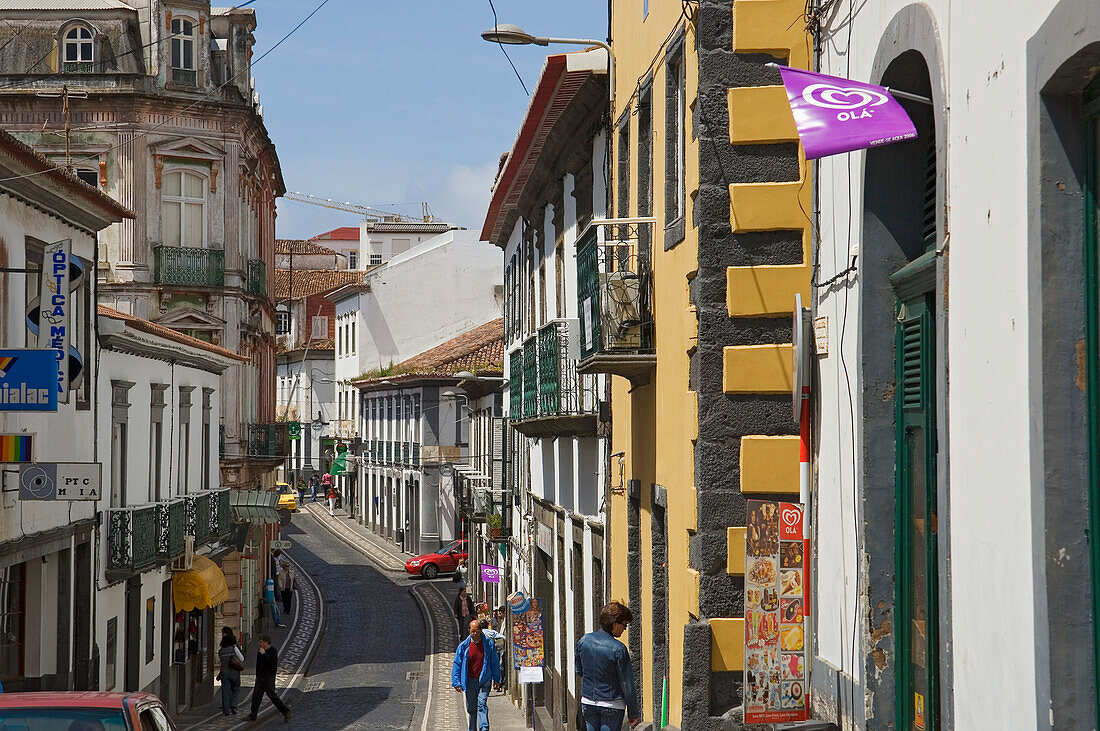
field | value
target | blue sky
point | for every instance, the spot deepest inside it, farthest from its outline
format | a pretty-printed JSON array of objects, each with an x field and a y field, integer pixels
[{"x": 383, "y": 103}]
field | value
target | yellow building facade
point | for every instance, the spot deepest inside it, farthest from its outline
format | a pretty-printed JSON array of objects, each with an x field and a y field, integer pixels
[{"x": 704, "y": 143}]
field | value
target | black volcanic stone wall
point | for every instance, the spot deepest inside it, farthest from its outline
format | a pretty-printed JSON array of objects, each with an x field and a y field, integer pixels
[{"x": 725, "y": 418}]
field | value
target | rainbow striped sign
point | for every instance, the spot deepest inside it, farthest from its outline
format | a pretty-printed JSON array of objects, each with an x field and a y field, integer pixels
[{"x": 16, "y": 448}]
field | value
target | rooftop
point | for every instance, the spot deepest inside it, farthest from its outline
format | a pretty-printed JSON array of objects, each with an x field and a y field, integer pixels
[
  {"x": 307, "y": 282},
  {"x": 300, "y": 246},
  {"x": 66, "y": 5},
  {"x": 480, "y": 350},
  {"x": 344, "y": 233},
  {"x": 161, "y": 331}
]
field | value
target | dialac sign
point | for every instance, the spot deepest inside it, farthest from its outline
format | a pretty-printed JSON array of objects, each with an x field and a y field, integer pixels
[{"x": 28, "y": 380}]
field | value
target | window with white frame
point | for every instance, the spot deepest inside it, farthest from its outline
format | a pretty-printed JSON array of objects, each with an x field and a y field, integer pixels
[
  {"x": 375, "y": 260},
  {"x": 353, "y": 259},
  {"x": 282, "y": 322},
  {"x": 182, "y": 211},
  {"x": 79, "y": 49},
  {"x": 183, "y": 52}
]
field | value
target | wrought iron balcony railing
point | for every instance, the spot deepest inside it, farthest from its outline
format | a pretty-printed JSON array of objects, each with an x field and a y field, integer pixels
[
  {"x": 557, "y": 400},
  {"x": 189, "y": 266},
  {"x": 615, "y": 298},
  {"x": 530, "y": 379},
  {"x": 268, "y": 440},
  {"x": 257, "y": 277},
  {"x": 416, "y": 454},
  {"x": 185, "y": 77},
  {"x": 515, "y": 383},
  {"x": 170, "y": 522},
  {"x": 197, "y": 516},
  {"x": 131, "y": 538},
  {"x": 220, "y": 521}
]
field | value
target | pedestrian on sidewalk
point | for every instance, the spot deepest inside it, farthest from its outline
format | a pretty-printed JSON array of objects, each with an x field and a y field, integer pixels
[
  {"x": 460, "y": 572},
  {"x": 286, "y": 584},
  {"x": 232, "y": 662},
  {"x": 267, "y": 663},
  {"x": 331, "y": 501},
  {"x": 607, "y": 677},
  {"x": 475, "y": 670},
  {"x": 464, "y": 609},
  {"x": 272, "y": 605},
  {"x": 314, "y": 483}
]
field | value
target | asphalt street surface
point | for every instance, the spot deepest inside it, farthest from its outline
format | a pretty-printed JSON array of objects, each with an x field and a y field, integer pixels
[{"x": 369, "y": 671}]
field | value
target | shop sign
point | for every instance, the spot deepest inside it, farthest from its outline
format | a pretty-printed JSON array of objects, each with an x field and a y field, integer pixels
[
  {"x": 776, "y": 663},
  {"x": 16, "y": 448},
  {"x": 294, "y": 430},
  {"x": 54, "y": 310},
  {"x": 280, "y": 545},
  {"x": 527, "y": 644},
  {"x": 60, "y": 481},
  {"x": 28, "y": 380},
  {"x": 490, "y": 574},
  {"x": 546, "y": 540}
]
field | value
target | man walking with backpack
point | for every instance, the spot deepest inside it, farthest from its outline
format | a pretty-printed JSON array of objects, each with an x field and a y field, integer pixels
[{"x": 267, "y": 663}]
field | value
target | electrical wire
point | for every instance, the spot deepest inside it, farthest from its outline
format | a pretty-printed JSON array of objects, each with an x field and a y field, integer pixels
[
  {"x": 189, "y": 107},
  {"x": 505, "y": 51}
]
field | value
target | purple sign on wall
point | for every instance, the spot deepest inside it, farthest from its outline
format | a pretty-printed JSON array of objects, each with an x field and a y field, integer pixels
[
  {"x": 490, "y": 574},
  {"x": 835, "y": 115}
]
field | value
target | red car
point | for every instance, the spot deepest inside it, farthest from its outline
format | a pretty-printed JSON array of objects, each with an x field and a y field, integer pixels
[
  {"x": 431, "y": 565},
  {"x": 84, "y": 711}
]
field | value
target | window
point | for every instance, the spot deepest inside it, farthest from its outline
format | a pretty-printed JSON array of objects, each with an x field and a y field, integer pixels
[
  {"x": 185, "y": 439},
  {"x": 91, "y": 177},
  {"x": 282, "y": 322},
  {"x": 674, "y": 146},
  {"x": 110, "y": 660},
  {"x": 120, "y": 415},
  {"x": 319, "y": 328},
  {"x": 150, "y": 629},
  {"x": 11, "y": 621},
  {"x": 183, "y": 52},
  {"x": 156, "y": 440},
  {"x": 183, "y": 221},
  {"x": 207, "y": 407},
  {"x": 353, "y": 259},
  {"x": 375, "y": 260},
  {"x": 353, "y": 328},
  {"x": 79, "y": 46}
]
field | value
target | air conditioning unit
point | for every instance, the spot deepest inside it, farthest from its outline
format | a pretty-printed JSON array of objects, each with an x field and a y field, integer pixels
[
  {"x": 622, "y": 309},
  {"x": 187, "y": 560}
]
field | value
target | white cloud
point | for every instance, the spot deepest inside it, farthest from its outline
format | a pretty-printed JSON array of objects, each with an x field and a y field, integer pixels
[{"x": 463, "y": 195}]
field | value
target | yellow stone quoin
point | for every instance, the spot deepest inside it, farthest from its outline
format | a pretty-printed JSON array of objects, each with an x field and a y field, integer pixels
[
  {"x": 760, "y": 114},
  {"x": 769, "y": 465},
  {"x": 727, "y": 644},
  {"x": 757, "y": 369},
  {"x": 735, "y": 551},
  {"x": 772, "y": 26}
]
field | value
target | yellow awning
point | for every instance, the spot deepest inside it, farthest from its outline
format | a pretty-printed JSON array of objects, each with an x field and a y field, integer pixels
[{"x": 201, "y": 587}]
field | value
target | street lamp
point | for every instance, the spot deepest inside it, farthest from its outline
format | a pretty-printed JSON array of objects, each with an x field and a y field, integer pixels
[
  {"x": 468, "y": 376},
  {"x": 513, "y": 35}
]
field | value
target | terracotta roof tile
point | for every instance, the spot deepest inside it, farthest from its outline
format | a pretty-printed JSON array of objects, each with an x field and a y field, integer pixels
[
  {"x": 480, "y": 350},
  {"x": 161, "y": 331},
  {"x": 299, "y": 246},
  {"x": 313, "y": 281},
  {"x": 344, "y": 233}
]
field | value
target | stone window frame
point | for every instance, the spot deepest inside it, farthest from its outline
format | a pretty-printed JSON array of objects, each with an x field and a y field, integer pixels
[
  {"x": 177, "y": 38},
  {"x": 183, "y": 200},
  {"x": 675, "y": 192},
  {"x": 120, "y": 417},
  {"x": 207, "y": 434},
  {"x": 157, "y": 402},
  {"x": 183, "y": 468},
  {"x": 80, "y": 65}
]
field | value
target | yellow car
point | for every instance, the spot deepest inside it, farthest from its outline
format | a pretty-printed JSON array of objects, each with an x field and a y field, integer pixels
[{"x": 288, "y": 499}]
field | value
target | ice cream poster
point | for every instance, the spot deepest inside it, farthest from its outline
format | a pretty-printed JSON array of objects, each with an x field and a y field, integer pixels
[{"x": 776, "y": 679}]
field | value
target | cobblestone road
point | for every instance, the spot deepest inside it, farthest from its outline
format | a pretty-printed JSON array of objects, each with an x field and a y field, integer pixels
[{"x": 367, "y": 672}]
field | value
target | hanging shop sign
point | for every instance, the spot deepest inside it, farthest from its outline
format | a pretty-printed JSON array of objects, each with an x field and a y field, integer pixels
[
  {"x": 490, "y": 574},
  {"x": 518, "y": 601},
  {"x": 16, "y": 448},
  {"x": 294, "y": 430},
  {"x": 28, "y": 380},
  {"x": 545, "y": 540},
  {"x": 528, "y": 654},
  {"x": 60, "y": 481},
  {"x": 55, "y": 304},
  {"x": 776, "y": 679},
  {"x": 835, "y": 115}
]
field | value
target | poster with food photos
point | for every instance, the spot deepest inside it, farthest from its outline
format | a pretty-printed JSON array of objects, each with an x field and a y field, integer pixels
[{"x": 776, "y": 679}]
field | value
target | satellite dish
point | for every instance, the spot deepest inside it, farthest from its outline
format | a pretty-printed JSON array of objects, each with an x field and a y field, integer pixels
[{"x": 800, "y": 372}]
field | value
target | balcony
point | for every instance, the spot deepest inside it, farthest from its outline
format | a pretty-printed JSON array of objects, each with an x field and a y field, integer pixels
[
  {"x": 220, "y": 521},
  {"x": 415, "y": 458},
  {"x": 530, "y": 379},
  {"x": 269, "y": 440},
  {"x": 257, "y": 278},
  {"x": 196, "y": 511},
  {"x": 131, "y": 540},
  {"x": 188, "y": 266},
  {"x": 185, "y": 77},
  {"x": 566, "y": 402},
  {"x": 515, "y": 388},
  {"x": 615, "y": 299},
  {"x": 170, "y": 528}
]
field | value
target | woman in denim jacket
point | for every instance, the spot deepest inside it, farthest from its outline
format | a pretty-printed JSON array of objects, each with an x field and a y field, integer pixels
[{"x": 607, "y": 677}]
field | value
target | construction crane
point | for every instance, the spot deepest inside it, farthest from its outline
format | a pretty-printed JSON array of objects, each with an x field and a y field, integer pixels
[{"x": 367, "y": 212}]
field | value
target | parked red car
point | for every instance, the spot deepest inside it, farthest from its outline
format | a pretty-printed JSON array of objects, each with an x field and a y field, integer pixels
[
  {"x": 78, "y": 710},
  {"x": 431, "y": 565}
]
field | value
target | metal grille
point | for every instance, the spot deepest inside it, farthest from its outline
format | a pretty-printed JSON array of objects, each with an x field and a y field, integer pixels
[
  {"x": 614, "y": 290},
  {"x": 169, "y": 528},
  {"x": 257, "y": 277},
  {"x": 588, "y": 284},
  {"x": 268, "y": 440},
  {"x": 416, "y": 453},
  {"x": 185, "y": 265},
  {"x": 549, "y": 369},
  {"x": 185, "y": 77},
  {"x": 118, "y": 539},
  {"x": 131, "y": 538},
  {"x": 530, "y": 379},
  {"x": 515, "y": 383}
]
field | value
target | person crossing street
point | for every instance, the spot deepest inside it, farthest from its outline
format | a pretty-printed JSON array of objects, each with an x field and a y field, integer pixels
[
  {"x": 267, "y": 663},
  {"x": 475, "y": 670}
]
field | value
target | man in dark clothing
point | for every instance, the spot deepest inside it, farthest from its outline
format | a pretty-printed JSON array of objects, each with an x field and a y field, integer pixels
[
  {"x": 476, "y": 667},
  {"x": 607, "y": 677},
  {"x": 267, "y": 662},
  {"x": 464, "y": 610},
  {"x": 314, "y": 483}
]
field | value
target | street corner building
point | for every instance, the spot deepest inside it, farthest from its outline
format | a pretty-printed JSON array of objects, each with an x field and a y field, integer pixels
[
  {"x": 957, "y": 468},
  {"x": 711, "y": 198}
]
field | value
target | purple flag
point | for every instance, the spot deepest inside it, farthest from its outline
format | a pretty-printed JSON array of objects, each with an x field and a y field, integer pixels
[
  {"x": 490, "y": 574},
  {"x": 836, "y": 115}
]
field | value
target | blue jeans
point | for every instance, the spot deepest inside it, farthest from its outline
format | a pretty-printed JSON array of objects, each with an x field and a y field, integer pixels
[
  {"x": 230, "y": 689},
  {"x": 477, "y": 705},
  {"x": 275, "y": 614},
  {"x": 598, "y": 718}
]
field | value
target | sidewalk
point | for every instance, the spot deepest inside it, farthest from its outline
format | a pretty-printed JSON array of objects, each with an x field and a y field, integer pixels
[
  {"x": 296, "y": 644},
  {"x": 445, "y": 708}
]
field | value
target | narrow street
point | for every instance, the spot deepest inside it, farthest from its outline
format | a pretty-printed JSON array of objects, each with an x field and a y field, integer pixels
[{"x": 366, "y": 672}]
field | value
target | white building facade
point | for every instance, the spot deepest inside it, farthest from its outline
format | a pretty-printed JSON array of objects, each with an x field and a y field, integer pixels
[{"x": 956, "y": 463}]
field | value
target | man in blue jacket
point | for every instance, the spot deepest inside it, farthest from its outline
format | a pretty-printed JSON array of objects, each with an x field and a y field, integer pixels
[
  {"x": 607, "y": 677},
  {"x": 476, "y": 666}
]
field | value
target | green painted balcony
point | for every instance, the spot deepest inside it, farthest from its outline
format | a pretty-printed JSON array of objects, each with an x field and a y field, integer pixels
[
  {"x": 188, "y": 266},
  {"x": 530, "y": 379},
  {"x": 615, "y": 299},
  {"x": 566, "y": 403},
  {"x": 257, "y": 277}
]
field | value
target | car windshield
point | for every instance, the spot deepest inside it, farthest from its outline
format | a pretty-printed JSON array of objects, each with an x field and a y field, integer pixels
[
  {"x": 454, "y": 547},
  {"x": 283, "y": 489},
  {"x": 62, "y": 719}
]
